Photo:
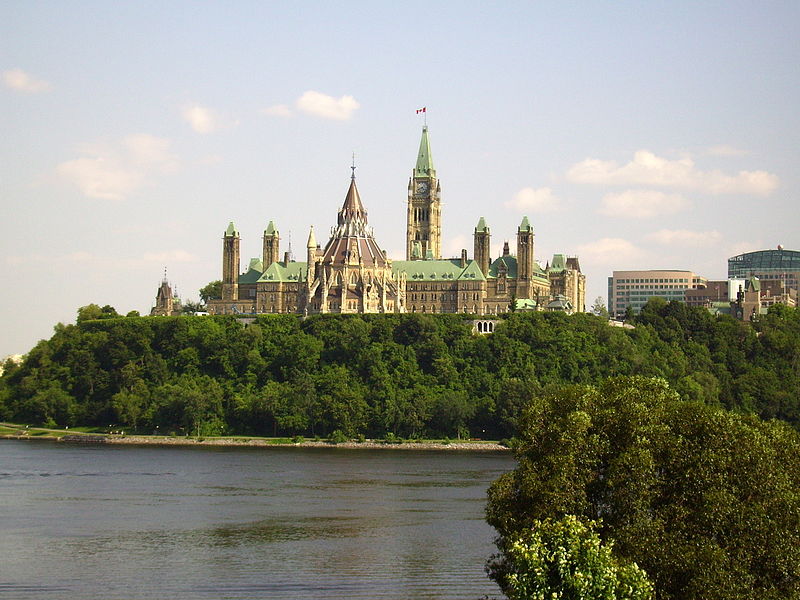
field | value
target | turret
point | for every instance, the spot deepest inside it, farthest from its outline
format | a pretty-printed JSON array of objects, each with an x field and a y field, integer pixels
[
  {"x": 311, "y": 248},
  {"x": 481, "y": 246},
  {"x": 230, "y": 263},
  {"x": 271, "y": 245},
  {"x": 525, "y": 259}
]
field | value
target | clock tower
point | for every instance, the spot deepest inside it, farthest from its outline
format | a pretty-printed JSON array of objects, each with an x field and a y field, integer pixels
[{"x": 424, "y": 222}]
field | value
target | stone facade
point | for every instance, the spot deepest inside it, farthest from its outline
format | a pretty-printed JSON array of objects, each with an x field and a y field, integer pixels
[
  {"x": 167, "y": 304},
  {"x": 351, "y": 273}
]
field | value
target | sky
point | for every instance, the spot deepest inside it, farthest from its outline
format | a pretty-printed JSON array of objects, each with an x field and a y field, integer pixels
[{"x": 634, "y": 135}]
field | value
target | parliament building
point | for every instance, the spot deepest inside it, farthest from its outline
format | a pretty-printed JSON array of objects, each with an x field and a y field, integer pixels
[{"x": 352, "y": 274}]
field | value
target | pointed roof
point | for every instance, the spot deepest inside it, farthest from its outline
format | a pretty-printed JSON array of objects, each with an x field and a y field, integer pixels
[
  {"x": 525, "y": 225},
  {"x": 424, "y": 166},
  {"x": 352, "y": 207},
  {"x": 351, "y": 240},
  {"x": 312, "y": 241},
  {"x": 481, "y": 227},
  {"x": 231, "y": 230},
  {"x": 270, "y": 231}
]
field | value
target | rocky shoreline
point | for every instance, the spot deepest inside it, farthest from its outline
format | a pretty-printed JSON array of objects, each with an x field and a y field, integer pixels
[
  {"x": 261, "y": 443},
  {"x": 141, "y": 440}
]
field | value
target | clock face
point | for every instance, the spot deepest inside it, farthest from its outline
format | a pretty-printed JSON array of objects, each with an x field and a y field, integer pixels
[{"x": 422, "y": 187}]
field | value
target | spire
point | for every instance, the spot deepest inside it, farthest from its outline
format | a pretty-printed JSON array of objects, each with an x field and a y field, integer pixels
[
  {"x": 270, "y": 230},
  {"x": 481, "y": 226},
  {"x": 231, "y": 230},
  {"x": 352, "y": 207},
  {"x": 525, "y": 225},
  {"x": 424, "y": 166},
  {"x": 312, "y": 241}
]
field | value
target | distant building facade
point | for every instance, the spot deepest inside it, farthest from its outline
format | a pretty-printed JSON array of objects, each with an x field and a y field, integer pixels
[
  {"x": 767, "y": 265},
  {"x": 742, "y": 298},
  {"x": 167, "y": 303},
  {"x": 635, "y": 288},
  {"x": 352, "y": 274}
]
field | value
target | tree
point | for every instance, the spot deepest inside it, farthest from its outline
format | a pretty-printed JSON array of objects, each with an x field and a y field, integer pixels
[
  {"x": 191, "y": 307},
  {"x": 566, "y": 559},
  {"x": 630, "y": 314},
  {"x": 599, "y": 308},
  {"x": 88, "y": 313},
  {"x": 704, "y": 500},
  {"x": 211, "y": 291}
]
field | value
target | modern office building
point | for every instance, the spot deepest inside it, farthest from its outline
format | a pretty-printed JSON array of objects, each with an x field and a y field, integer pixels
[
  {"x": 635, "y": 288},
  {"x": 778, "y": 264}
]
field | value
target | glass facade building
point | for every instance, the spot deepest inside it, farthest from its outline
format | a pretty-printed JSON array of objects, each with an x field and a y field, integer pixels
[{"x": 778, "y": 264}]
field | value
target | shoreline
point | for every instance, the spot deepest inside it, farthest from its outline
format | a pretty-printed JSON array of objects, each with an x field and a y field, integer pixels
[{"x": 137, "y": 440}]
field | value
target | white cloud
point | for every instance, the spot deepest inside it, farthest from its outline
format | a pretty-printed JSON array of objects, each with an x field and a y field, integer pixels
[
  {"x": 685, "y": 237},
  {"x": 19, "y": 80},
  {"x": 327, "y": 107},
  {"x": 742, "y": 247},
  {"x": 726, "y": 150},
  {"x": 278, "y": 110},
  {"x": 642, "y": 204},
  {"x": 535, "y": 200},
  {"x": 111, "y": 172},
  {"x": 648, "y": 169},
  {"x": 149, "y": 150},
  {"x": 201, "y": 118},
  {"x": 609, "y": 251}
]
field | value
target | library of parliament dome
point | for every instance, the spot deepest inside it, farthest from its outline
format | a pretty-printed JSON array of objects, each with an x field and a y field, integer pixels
[{"x": 350, "y": 273}]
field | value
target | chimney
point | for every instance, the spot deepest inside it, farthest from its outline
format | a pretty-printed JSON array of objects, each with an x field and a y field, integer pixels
[{"x": 463, "y": 257}]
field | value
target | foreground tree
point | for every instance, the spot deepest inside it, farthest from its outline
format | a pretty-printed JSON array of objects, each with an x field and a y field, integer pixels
[
  {"x": 704, "y": 500},
  {"x": 565, "y": 559}
]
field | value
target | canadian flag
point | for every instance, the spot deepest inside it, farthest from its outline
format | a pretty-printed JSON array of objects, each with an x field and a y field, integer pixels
[{"x": 421, "y": 110}]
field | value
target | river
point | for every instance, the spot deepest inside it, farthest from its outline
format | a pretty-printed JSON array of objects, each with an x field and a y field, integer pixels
[{"x": 102, "y": 522}]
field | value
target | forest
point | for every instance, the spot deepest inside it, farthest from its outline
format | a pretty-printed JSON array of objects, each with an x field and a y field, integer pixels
[{"x": 379, "y": 376}]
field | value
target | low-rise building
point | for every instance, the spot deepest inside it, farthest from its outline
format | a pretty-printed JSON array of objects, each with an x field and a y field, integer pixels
[{"x": 635, "y": 288}]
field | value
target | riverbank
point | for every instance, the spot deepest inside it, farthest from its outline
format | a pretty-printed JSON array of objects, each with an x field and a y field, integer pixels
[
  {"x": 14, "y": 432},
  {"x": 266, "y": 443}
]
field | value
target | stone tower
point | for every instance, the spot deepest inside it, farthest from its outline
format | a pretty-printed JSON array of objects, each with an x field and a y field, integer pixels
[
  {"x": 424, "y": 222},
  {"x": 525, "y": 259},
  {"x": 481, "y": 247},
  {"x": 230, "y": 263},
  {"x": 271, "y": 245}
]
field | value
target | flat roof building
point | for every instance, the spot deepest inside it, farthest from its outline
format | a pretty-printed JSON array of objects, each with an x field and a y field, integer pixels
[
  {"x": 635, "y": 288},
  {"x": 778, "y": 264}
]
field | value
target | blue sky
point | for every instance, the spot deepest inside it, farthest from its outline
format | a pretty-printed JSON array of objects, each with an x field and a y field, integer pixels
[{"x": 635, "y": 135}]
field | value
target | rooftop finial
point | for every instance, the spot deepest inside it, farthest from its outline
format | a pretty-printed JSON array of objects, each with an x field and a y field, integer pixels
[{"x": 353, "y": 167}]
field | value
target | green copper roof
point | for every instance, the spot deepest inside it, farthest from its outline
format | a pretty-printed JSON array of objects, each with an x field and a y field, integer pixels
[
  {"x": 481, "y": 226},
  {"x": 253, "y": 271},
  {"x": 510, "y": 263},
  {"x": 559, "y": 263},
  {"x": 231, "y": 230},
  {"x": 525, "y": 225},
  {"x": 438, "y": 270},
  {"x": 277, "y": 272},
  {"x": 424, "y": 166},
  {"x": 270, "y": 230},
  {"x": 525, "y": 304}
]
